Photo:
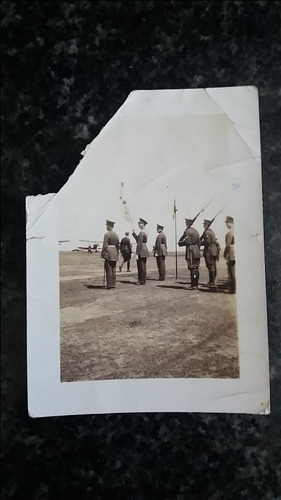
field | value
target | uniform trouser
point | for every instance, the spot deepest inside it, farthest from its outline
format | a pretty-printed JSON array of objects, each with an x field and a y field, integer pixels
[
  {"x": 125, "y": 259},
  {"x": 211, "y": 264},
  {"x": 160, "y": 259},
  {"x": 231, "y": 272},
  {"x": 193, "y": 266},
  {"x": 141, "y": 264},
  {"x": 110, "y": 271}
]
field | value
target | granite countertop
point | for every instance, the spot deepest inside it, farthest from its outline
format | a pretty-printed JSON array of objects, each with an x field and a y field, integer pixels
[{"x": 67, "y": 67}]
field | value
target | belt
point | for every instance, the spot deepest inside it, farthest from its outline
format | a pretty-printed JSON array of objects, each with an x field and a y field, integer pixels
[{"x": 112, "y": 246}]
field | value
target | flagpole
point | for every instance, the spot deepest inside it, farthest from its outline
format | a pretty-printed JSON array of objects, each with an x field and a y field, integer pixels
[{"x": 176, "y": 239}]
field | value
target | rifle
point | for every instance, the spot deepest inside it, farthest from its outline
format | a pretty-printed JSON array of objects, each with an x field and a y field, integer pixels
[
  {"x": 192, "y": 222},
  {"x": 208, "y": 226},
  {"x": 211, "y": 221}
]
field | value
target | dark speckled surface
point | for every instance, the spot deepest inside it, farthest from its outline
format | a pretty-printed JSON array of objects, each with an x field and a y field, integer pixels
[{"x": 67, "y": 67}]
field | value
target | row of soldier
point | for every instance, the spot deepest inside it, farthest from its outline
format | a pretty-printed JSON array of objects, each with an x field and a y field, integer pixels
[{"x": 190, "y": 239}]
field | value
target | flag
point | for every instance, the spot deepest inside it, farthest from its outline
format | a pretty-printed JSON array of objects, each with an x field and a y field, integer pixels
[
  {"x": 128, "y": 217},
  {"x": 127, "y": 213},
  {"x": 175, "y": 209}
]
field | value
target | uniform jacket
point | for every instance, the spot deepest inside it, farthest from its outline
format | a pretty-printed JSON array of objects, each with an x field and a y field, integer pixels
[
  {"x": 160, "y": 247},
  {"x": 210, "y": 243},
  {"x": 191, "y": 240},
  {"x": 125, "y": 246},
  {"x": 110, "y": 246},
  {"x": 141, "y": 240},
  {"x": 229, "y": 253}
]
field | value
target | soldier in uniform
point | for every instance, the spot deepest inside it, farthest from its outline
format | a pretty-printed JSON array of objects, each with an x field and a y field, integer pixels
[
  {"x": 229, "y": 253},
  {"x": 209, "y": 241},
  {"x": 109, "y": 253},
  {"x": 141, "y": 251},
  {"x": 90, "y": 250},
  {"x": 160, "y": 252},
  {"x": 126, "y": 252},
  {"x": 191, "y": 240}
]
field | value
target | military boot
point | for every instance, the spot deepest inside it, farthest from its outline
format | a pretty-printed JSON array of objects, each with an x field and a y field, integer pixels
[
  {"x": 196, "y": 279},
  {"x": 193, "y": 281},
  {"x": 211, "y": 278}
]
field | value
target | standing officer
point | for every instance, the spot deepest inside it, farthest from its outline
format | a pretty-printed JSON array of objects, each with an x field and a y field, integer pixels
[
  {"x": 126, "y": 252},
  {"x": 141, "y": 251},
  {"x": 229, "y": 253},
  {"x": 109, "y": 253},
  {"x": 160, "y": 252},
  {"x": 209, "y": 240},
  {"x": 191, "y": 240}
]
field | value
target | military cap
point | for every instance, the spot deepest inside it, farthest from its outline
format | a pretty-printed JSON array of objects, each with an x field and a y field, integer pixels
[
  {"x": 143, "y": 221},
  {"x": 110, "y": 223},
  {"x": 127, "y": 234},
  {"x": 189, "y": 221},
  {"x": 206, "y": 221},
  {"x": 229, "y": 219},
  {"x": 159, "y": 227}
]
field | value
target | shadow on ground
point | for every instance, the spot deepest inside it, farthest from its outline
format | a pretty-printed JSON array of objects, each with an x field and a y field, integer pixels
[
  {"x": 126, "y": 282},
  {"x": 95, "y": 287},
  {"x": 174, "y": 287},
  {"x": 218, "y": 288}
]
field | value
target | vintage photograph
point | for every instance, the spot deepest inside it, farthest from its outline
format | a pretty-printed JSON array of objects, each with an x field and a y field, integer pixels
[
  {"x": 145, "y": 272},
  {"x": 147, "y": 260},
  {"x": 181, "y": 323}
]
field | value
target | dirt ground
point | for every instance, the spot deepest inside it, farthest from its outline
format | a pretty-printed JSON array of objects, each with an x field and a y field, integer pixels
[{"x": 154, "y": 331}]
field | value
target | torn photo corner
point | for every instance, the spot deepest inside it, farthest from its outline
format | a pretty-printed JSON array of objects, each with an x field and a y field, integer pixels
[{"x": 145, "y": 272}]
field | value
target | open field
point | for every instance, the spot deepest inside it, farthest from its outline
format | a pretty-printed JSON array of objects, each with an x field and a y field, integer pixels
[{"x": 154, "y": 331}]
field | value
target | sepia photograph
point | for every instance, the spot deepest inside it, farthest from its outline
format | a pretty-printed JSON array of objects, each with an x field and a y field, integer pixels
[
  {"x": 181, "y": 323},
  {"x": 155, "y": 257}
]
